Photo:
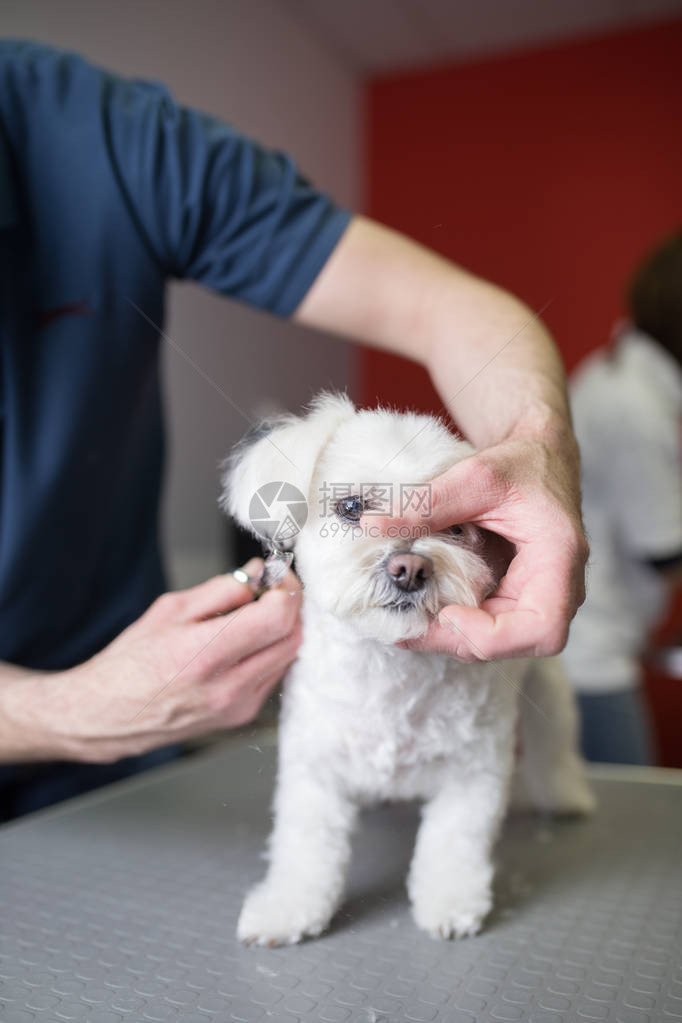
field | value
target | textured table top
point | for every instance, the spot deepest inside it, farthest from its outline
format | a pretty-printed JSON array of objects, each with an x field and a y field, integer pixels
[{"x": 122, "y": 906}]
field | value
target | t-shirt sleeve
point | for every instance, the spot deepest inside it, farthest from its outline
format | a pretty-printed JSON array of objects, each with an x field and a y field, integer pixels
[
  {"x": 648, "y": 501},
  {"x": 215, "y": 206}
]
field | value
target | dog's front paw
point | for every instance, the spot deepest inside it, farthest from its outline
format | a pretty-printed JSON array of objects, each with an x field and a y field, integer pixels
[
  {"x": 277, "y": 915},
  {"x": 456, "y": 911}
]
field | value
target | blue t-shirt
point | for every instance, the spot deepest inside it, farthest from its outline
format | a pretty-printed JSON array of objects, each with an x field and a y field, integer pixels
[{"x": 107, "y": 189}]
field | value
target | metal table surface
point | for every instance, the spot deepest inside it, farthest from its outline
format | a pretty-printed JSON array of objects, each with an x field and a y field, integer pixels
[{"x": 122, "y": 905}]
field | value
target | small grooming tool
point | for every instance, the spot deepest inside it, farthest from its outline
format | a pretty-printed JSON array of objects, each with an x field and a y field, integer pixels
[{"x": 276, "y": 566}]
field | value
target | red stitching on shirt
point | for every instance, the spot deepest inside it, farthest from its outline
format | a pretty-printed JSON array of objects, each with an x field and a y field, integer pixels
[{"x": 46, "y": 317}]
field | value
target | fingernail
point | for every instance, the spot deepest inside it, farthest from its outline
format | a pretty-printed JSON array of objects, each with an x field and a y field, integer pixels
[{"x": 251, "y": 565}]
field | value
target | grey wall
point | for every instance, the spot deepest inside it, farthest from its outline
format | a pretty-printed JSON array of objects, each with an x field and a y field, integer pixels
[{"x": 252, "y": 63}]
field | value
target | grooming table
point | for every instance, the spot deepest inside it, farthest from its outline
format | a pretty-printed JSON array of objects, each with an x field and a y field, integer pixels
[{"x": 122, "y": 905}]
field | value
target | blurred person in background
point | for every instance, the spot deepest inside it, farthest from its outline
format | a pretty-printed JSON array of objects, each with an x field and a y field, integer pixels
[{"x": 627, "y": 412}]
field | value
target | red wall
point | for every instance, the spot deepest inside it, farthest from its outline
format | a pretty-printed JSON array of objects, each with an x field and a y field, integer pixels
[{"x": 549, "y": 172}]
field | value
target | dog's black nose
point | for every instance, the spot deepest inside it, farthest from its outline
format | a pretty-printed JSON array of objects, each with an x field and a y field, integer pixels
[{"x": 409, "y": 571}]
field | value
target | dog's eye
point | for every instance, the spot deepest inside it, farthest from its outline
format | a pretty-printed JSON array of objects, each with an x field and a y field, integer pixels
[
  {"x": 350, "y": 508},
  {"x": 455, "y": 531}
]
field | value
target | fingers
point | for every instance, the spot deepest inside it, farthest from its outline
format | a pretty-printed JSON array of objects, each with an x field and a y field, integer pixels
[
  {"x": 480, "y": 636},
  {"x": 465, "y": 493},
  {"x": 216, "y": 596},
  {"x": 442, "y": 638},
  {"x": 222, "y": 593},
  {"x": 529, "y": 627},
  {"x": 528, "y": 616},
  {"x": 291, "y": 584},
  {"x": 248, "y": 684},
  {"x": 252, "y": 627},
  {"x": 471, "y": 634}
]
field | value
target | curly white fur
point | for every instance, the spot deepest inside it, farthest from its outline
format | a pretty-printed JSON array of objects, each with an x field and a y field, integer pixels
[{"x": 364, "y": 720}]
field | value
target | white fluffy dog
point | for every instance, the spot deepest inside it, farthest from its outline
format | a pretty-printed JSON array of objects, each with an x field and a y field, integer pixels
[{"x": 365, "y": 720}]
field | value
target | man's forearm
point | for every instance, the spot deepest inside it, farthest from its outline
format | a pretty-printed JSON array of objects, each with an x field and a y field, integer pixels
[
  {"x": 494, "y": 364},
  {"x": 22, "y": 733}
]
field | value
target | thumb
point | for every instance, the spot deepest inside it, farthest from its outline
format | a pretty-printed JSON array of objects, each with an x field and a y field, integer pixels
[{"x": 220, "y": 594}]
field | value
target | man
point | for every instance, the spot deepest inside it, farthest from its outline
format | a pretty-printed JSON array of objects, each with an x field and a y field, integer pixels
[{"x": 111, "y": 189}]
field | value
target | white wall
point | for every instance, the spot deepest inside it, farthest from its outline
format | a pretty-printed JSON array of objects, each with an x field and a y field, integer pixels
[{"x": 251, "y": 63}]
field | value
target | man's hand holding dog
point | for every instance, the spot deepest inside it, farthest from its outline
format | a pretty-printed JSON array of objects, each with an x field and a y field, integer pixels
[
  {"x": 526, "y": 491},
  {"x": 197, "y": 660}
]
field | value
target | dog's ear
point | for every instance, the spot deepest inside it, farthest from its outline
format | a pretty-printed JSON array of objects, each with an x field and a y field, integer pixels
[{"x": 284, "y": 452}]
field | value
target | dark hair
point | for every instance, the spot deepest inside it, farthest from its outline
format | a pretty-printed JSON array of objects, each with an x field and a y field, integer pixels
[{"x": 655, "y": 295}]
